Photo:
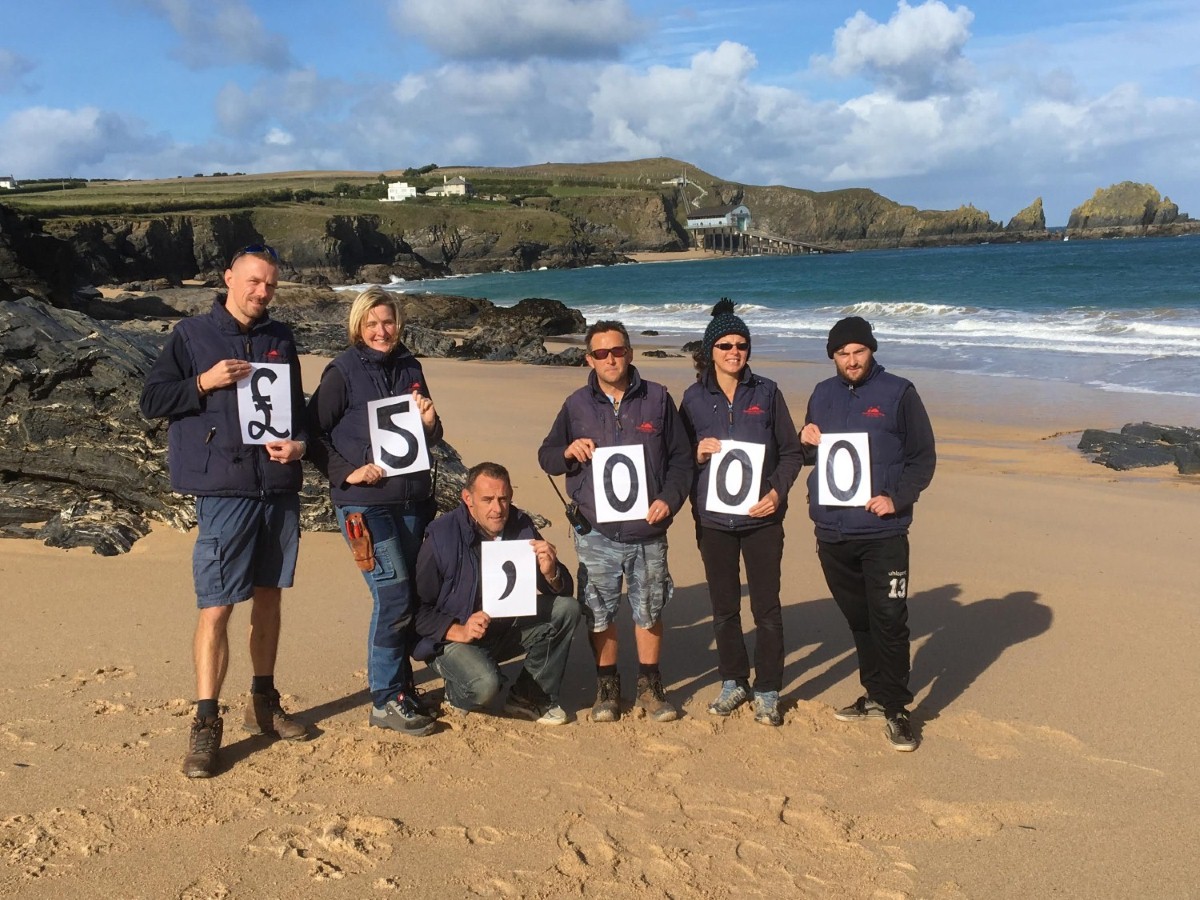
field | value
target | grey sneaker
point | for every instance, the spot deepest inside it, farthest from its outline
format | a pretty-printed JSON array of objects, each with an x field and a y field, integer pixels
[
  {"x": 766, "y": 708},
  {"x": 607, "y": 707},
  {"x": 653, "y": 699},
  {"x": 899, "y": 732},
  {"x": 862, "y": 708},
  {"x": 544, "y": 712},
  {"x": 204, "y": 747},
  {"x": 402, "y": 715},
  {"x": 733, "y": 695}
]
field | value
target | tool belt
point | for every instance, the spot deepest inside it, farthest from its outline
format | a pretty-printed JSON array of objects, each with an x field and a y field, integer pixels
[{"x": 361, "y": 544}]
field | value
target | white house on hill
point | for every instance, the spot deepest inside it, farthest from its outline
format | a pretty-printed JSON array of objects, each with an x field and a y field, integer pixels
[
  {"x": 453, "y": 187},
  {"x": 735, "y": 217},
  {"x": 8, "y": 183},
  {"x": 398, "y": 191}
]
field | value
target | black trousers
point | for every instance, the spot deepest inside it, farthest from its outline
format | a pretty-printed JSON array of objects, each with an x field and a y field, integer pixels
[
  {"x": 762, "y": 549},
  {"x": 869, "y": 582}
]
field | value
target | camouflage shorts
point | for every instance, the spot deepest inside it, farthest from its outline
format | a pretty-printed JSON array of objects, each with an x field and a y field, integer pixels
[{"x": 604, "y": 562}]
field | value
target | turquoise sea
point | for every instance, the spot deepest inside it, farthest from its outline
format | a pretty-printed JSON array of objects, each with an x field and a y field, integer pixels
[{"x": 1118, "y": 315}]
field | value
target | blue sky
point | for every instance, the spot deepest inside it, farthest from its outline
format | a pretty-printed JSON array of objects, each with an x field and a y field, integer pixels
[{"x": 930, "y": 103}]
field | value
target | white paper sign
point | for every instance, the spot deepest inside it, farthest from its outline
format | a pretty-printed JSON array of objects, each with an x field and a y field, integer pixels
[
  {"x": 397, "y": 436},
  {"x": 844, "y": 469},
  {"x": 619, "y": 480},
  {"x": 509, "y": 578},
  {"x": 734, "y": 474},
  {"x": 265, "y": 403}
]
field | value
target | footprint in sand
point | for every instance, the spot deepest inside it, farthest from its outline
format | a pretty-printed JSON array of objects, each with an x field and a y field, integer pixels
[
  {"x": 332, "y": 848},
  {"x": 586, "y": 848},
  {"x": 960, "y": 820},
  {"x": 206, "y": 889}
]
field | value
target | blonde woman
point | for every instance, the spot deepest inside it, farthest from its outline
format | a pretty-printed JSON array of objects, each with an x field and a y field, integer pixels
[{"x": 394, "y": 509}]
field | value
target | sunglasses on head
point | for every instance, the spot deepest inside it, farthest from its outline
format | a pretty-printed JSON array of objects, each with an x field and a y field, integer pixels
[
  {"x": 602, "y": 353},
  {"x": 726, "y": 346},
  {"x": 255, "y": 250}
]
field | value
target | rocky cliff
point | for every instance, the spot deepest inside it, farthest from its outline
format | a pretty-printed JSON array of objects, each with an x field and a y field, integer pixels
[
  {"x": 1031, "y": 218},
  {"x": 1127, "y": 205},
  {"x": 855, "y": 219},
  {"x": 553, "y": 223}
]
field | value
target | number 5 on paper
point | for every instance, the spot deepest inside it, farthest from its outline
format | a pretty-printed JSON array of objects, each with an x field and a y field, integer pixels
[{"x": 397, "y": 436}]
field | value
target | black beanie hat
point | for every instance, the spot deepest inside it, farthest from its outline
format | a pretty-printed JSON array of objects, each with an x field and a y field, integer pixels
[
  {"x": 723, "y": 322},
  {"x": 851, "y": 330}
]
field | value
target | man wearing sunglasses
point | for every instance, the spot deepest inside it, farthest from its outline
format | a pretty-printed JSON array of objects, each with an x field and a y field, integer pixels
[
  {"x": 863, "y": 550},
  {"x": 247, "y": 495},
  {"x": 618, "y": 407}
]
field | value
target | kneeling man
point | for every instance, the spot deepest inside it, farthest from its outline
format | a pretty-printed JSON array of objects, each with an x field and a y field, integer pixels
[{"x": 465, "y": 645}]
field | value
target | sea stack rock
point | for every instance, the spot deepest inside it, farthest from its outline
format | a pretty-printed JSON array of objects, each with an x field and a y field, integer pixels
[
  {"x": 1031, "y": 218},
  {"x": 1124, "y": 205}
]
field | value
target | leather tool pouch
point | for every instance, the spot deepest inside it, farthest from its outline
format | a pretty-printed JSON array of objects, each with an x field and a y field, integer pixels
[{"x": 361, "y": 544}]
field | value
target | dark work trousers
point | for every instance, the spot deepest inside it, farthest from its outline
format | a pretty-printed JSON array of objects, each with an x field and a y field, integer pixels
[
  {"x": 762, "y": 549},
  {"x": 869, "y": 581}
]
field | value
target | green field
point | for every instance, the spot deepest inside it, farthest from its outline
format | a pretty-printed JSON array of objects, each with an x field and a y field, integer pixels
[{"x": 350, "y": 192}]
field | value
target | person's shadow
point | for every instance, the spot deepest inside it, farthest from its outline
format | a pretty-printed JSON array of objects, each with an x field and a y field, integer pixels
[
  {"x": 965, "y": 639},
  {"x": 962, "y": 640}
]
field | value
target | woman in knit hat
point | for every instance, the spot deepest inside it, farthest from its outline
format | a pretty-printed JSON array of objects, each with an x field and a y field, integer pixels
[{"x": 728, "y": 402}]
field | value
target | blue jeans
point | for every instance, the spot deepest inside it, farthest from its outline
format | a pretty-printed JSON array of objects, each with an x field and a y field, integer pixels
[
  {"x": 472, "y": 671},
  {"x": 396, "y": 532}
]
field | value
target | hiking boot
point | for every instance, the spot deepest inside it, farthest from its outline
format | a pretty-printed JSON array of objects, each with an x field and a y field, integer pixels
[
  {"x": 733, "y": 694},
  {"x": 265, "y": 715},
  {"x": 204, "y": 745},
  {"x": 403, "y": 715},
  {"x": 862, "y": 708},
  {"x": 419, "y": 704},
  {"x": 653, "y": 699},
  {"x": 607, "y": 707},
  {"x": 544, "y": 712},
  {"x": 766, "y": 708},
  {"x": 899, "y": 731}
]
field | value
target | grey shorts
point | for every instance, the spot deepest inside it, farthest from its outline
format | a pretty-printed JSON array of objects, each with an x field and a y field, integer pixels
[
  {"x": 604, "y": 562},
  {"x": 244, "y": 543}
]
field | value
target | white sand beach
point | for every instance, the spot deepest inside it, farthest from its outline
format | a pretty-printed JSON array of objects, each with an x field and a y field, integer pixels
[{"x": 1054, "y": 616}]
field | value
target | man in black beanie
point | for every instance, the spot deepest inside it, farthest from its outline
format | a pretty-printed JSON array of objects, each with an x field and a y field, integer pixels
[{"x": 864, "y": 550}]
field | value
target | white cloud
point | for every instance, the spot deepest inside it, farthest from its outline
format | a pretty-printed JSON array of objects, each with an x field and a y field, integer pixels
[
  {"x": 918, "y": 52},
  {"x": 519, "y": 29},
  {"x": 45, "y": 142},
  {"x": 294, "y": 98},
  {"x": 911, "y": 121},
  {"x": 222, "y": 33},
  {"x": 13, "y": 69}
]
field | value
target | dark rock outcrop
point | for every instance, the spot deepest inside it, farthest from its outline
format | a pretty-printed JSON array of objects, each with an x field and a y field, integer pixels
[
  {"x": 75, "y": 454},
  {"x": 1140, "y": 445},
  {"x": 79, "y": 466}
]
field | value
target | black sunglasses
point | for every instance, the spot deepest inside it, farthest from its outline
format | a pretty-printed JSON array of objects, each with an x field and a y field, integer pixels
[
  {"x": 726, "y": 346},
  {"x": 254, "y": 250},
  {"x": 602, "y": 353}
]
